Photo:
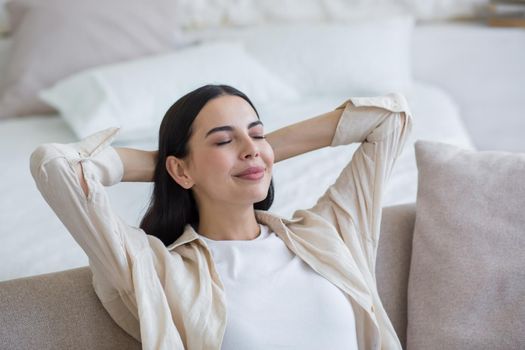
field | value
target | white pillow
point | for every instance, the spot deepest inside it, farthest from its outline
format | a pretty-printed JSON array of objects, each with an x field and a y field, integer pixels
[
  {"x": 135, "y": 95},
  {"x": 363, "y": 57},
  {"x": 200, "y": 14},
  {"x": 429, "y": 10}
]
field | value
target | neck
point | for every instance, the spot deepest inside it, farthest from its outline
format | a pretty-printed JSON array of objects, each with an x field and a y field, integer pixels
[{"x": 224, "y": 223}]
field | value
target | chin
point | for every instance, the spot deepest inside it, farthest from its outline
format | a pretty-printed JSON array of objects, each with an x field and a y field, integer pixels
[{"x": 256, "y": 197}]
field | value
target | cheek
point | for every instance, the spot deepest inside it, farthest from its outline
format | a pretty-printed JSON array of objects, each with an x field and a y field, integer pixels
[
  {"x": 217, "y": 163},
  {"x": 268, "y": 155}
]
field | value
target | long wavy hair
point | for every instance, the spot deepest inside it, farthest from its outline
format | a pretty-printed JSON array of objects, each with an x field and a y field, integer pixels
[{"x": 172, "y": 206}]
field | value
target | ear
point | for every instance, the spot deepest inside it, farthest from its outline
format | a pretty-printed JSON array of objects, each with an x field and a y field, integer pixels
[{"x": 177, "y": 169}]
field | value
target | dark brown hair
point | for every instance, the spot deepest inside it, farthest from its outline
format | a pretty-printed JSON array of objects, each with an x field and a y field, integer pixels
[{"x": 171, "y": 206}]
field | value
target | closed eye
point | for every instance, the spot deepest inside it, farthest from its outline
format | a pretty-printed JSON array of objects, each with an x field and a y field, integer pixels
[{"x": 226, "y": 142}]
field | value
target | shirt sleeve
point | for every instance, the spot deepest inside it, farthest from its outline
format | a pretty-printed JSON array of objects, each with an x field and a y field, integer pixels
[
  {"x": 105, "y": 238},
  {"x": 353, "y": 203}
]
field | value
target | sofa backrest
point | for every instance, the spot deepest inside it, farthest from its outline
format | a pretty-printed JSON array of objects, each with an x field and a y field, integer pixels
[
  {"x": 393, "y": 263},
  {"x": 61, "y": 311}
]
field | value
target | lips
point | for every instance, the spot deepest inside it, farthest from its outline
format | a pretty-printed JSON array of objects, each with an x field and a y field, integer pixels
[{"x": 251, "y": 170}]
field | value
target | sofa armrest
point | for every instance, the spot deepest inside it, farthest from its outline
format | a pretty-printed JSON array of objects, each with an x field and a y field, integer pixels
[{"x": 57, "y": 311}]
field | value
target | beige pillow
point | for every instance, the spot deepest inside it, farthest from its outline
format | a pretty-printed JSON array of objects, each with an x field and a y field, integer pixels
[
  {"x": 466, "y": 286},
  {"x": 54, "y": 38}
]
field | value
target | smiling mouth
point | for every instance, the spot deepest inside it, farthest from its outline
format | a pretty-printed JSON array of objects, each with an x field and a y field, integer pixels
[{"x": 253, "y": 176}]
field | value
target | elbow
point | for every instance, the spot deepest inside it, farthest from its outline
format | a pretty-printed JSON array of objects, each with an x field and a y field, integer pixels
[
  {"x": 42, "y": 155},
  {"x": 37, "y": 159},
  {"x": 398, "y": 104},
  {"x": 396, "y": 122}
]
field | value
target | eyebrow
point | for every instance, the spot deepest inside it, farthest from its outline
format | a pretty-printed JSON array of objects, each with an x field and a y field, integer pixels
[{"x": 230, "y": 128}]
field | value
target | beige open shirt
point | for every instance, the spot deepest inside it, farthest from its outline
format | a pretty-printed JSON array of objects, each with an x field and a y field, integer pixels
[{"x": 172, "y": 297}]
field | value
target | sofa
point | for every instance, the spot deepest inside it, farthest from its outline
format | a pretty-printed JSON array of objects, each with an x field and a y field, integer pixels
[{"x": 61, "y": 311}]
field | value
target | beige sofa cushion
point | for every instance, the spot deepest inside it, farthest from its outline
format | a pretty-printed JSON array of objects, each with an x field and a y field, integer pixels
[{"x": 466, "y": 285}]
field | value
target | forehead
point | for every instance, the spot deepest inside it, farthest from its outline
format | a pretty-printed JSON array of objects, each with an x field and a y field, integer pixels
[{"x": 224, "y": 110}]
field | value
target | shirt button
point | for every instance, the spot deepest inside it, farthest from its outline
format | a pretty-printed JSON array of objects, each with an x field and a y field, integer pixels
[{"x": 373, "y": 309}]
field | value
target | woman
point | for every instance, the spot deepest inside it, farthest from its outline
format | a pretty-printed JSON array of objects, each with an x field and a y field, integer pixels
[{"x": 210, "y": 267}]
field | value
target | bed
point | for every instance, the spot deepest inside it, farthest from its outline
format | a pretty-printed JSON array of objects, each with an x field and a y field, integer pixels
[{"x": 34, "y": 241}]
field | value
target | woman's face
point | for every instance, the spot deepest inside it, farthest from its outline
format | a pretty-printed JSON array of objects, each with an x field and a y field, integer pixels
[{"x": 226, "y": 140}]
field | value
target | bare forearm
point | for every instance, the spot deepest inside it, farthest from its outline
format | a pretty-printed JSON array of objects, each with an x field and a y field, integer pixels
[
  {"x": 139, "y": 165},
  {"x": 304, "y": 136}
]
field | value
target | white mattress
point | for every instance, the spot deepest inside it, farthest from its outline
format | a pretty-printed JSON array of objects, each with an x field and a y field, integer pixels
[{"x": 34, "y": 241}]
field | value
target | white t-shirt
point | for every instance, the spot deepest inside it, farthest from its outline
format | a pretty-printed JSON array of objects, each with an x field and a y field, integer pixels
[{"x": 276, "y": 301}]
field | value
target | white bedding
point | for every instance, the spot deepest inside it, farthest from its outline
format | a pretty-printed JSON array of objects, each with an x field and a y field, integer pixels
[{"x": 34, "y": 241}]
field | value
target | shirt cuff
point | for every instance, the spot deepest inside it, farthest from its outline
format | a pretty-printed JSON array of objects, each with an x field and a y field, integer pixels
[
  {"x": 105, "y": 165},
  {"x": 355, "y": 124}
]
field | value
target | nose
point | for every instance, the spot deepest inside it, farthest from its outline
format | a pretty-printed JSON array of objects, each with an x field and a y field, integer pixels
[{"x": 250, "y": 149}]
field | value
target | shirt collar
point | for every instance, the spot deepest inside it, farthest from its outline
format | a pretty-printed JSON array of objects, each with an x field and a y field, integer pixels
[{"x": 262, "y": 216}]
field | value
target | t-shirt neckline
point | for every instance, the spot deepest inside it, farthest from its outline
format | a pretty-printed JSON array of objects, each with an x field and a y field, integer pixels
[{"x": 263, "y": 234}]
